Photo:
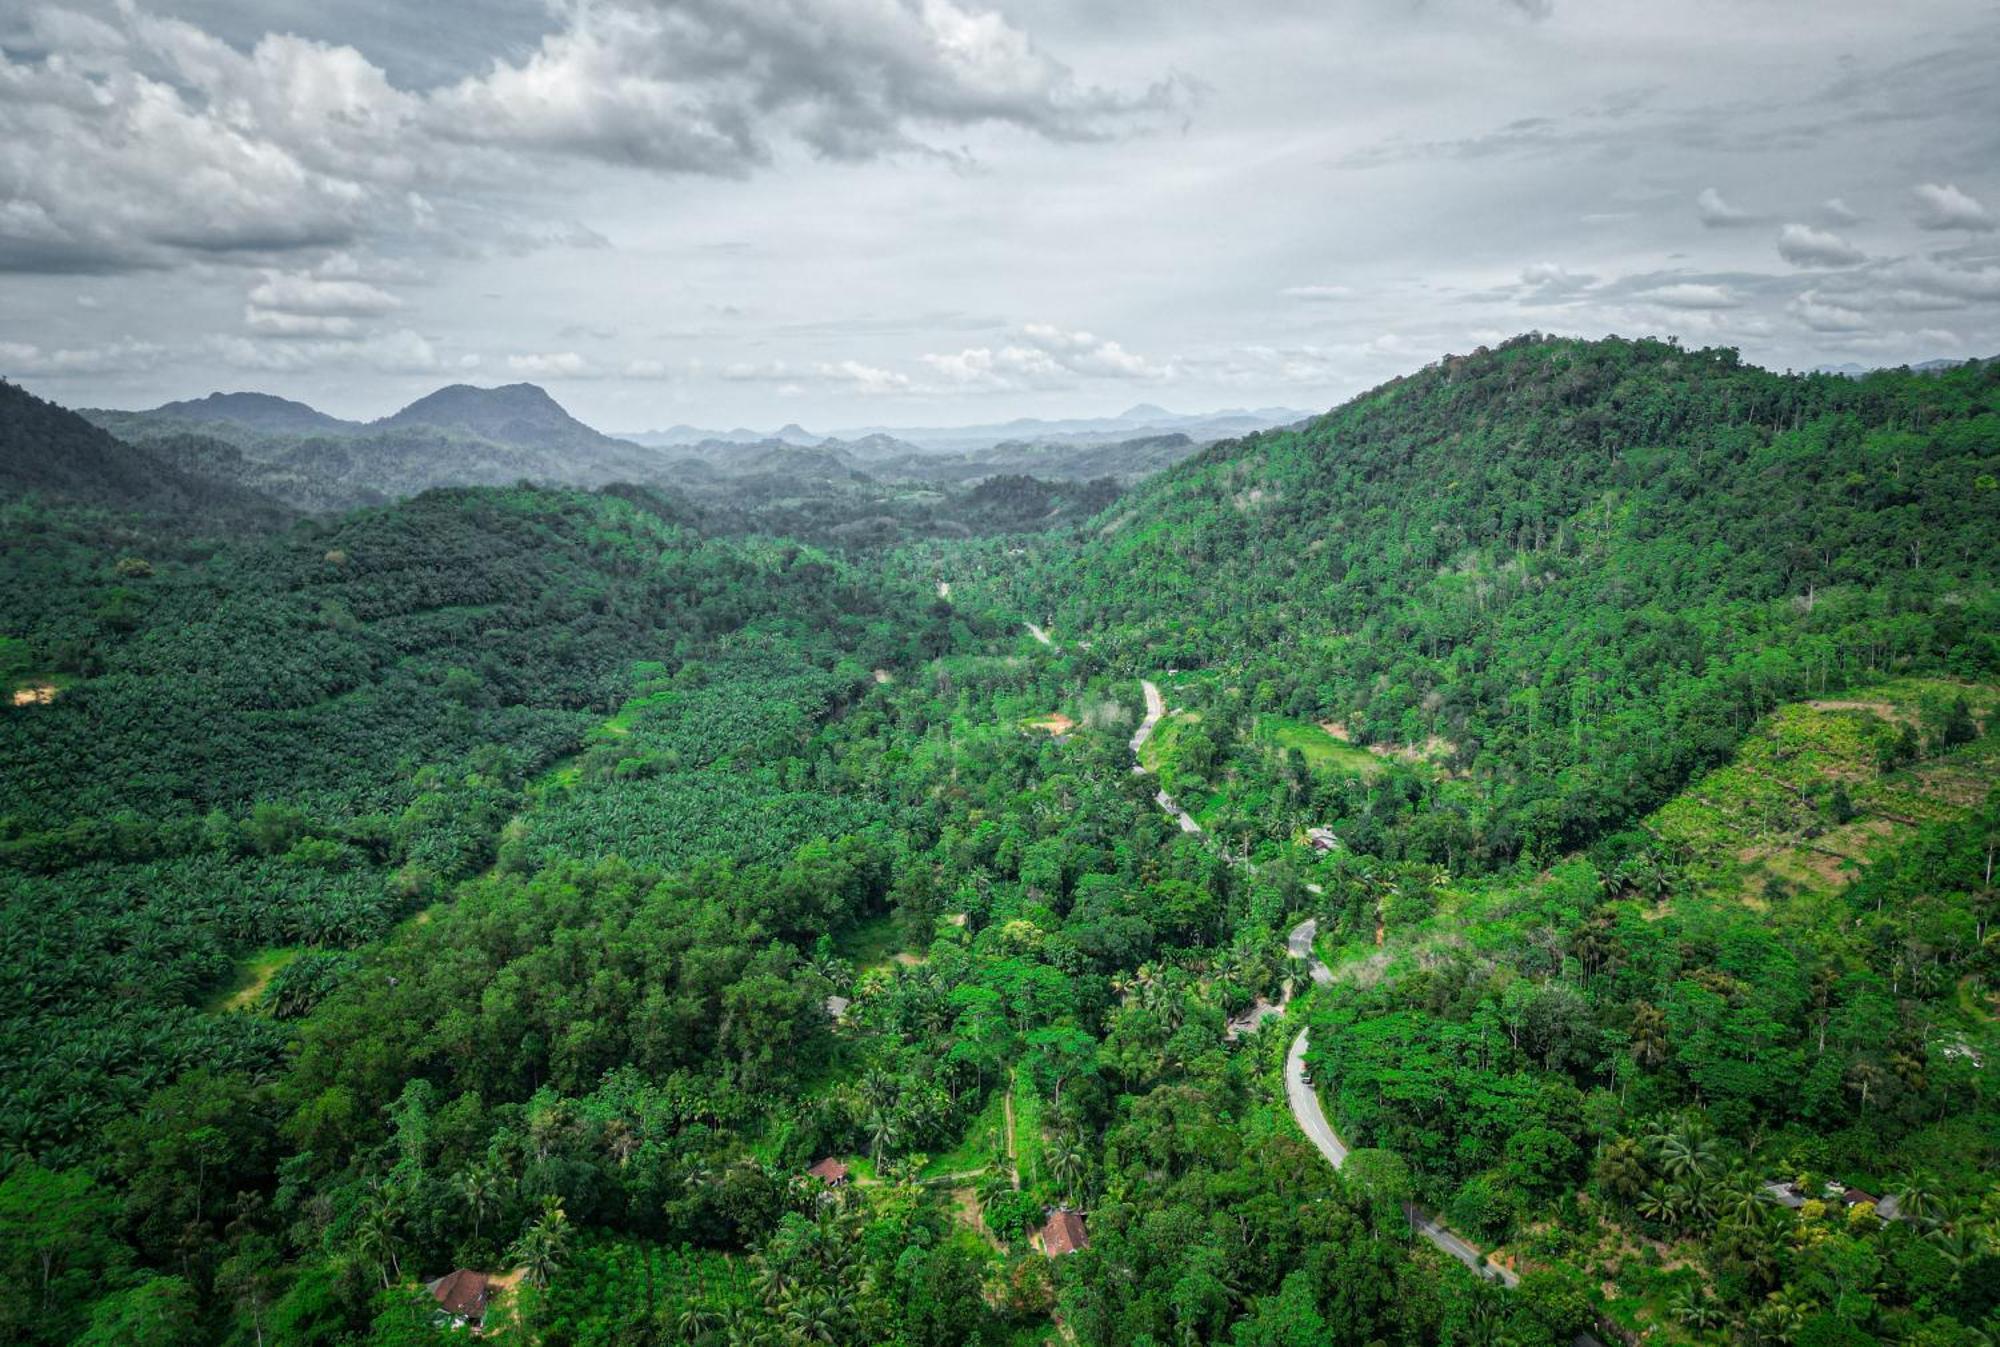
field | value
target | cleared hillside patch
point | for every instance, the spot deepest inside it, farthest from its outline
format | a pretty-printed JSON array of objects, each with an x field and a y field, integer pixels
[{"x": 1815, "y": 792}]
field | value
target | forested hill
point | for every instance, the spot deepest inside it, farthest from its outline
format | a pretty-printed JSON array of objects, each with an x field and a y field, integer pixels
[
  {"x": 52, "y": 453},
  {"x": 1570, "y": 571},
  {"x": 512, "y": 414}
]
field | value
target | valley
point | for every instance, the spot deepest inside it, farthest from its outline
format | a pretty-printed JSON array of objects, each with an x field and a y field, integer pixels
[{"x": 1510, "y": 858}]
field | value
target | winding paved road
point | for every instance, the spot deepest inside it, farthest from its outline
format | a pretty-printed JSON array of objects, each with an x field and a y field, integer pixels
[{"x": 1299, "y": 1095}]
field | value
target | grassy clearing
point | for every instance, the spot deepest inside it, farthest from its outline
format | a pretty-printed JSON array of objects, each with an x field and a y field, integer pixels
[
  {"x": 874, "y": 942},
  {"x": 1028, "y": 1122},
  {"x": 253, "y": 974},
  {"x": 1323, "y": 752},
  {"x": 1770, "y": 821},
  {"x": 985, "y": 1136}
]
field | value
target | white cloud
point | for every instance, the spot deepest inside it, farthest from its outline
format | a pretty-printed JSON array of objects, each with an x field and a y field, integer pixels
[
  {"x": 299, "y": 292},
  {"x": 1823, "y": 315},
  {"x": 400, "y": 352},
  {"x": 706, "y": 86},
  {"x": 1837, "y": 211},
  {"x": 1043, "y": 356},
  {"x": 1691, "y": 295},
  {"x": 1940, "y": 278},
  {"x": 851, "y": 374},
  {"x": 1716, "y": 213},
  {"x": 1944, "y": 206},
  {"x": 118, "y": 357},
  {"x": 1804, "y": 246},
  {"x": 145, "y": 141},
  {"x": 1548, "y": 283},
  {"x": 1317, "y": 293},
  {"x": 553, "y": 365},
  {"x": 866, "y": 379},
  {"x": 278, "y": 323}
]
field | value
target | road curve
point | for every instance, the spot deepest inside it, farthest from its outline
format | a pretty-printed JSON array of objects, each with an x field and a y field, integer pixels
[
  {"x": 1156, "y": 707},
  {"x": 1312, "y": 1120},
  {"x": 1299, "y": 944},
  {"x": 1300, "y": 1096}
]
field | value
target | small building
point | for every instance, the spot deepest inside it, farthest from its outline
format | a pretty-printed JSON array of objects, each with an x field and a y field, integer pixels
[
  {"x": 461, "y": 1297},
  {"x": 837, "y": 1007},
  {"x": 1854, "y": 1197},
  {"x": 1064, "y": 1233},
  {"x": 1322, "y": 839},
  {"x": 830, "y": 1172}
]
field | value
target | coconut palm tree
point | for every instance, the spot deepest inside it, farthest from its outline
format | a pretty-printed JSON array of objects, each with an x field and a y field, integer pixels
[
  {"x": 479, "y": 1188},
  {"x": 696, "y": 1321},
  {"x": 882, "y": 1133},
  {"x": 743, "y": 1327},
  {"x": 540, "y": 1250},
  {"x": 1065, "y": 1161},
  {"x": 1918, "y": 1201},
  {"x": 1695, "y": 1309},
  {"x": 1686, "y": 1150}
]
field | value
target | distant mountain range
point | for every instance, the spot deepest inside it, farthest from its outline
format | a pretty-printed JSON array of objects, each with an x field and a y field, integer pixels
[
  {"x": 51, "y": 452},
  {"x": 249, "y": 454},
  {"x": 1854, "y": 371},
  {"x": 1142, "y": 420}
]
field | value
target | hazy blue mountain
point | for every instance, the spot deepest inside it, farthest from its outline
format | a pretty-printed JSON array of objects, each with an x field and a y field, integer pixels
[
  {"x": 257, "y": 411},
  {"x": 520, "y": 414}
]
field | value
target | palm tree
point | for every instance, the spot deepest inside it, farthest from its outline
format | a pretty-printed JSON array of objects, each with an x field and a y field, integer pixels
[
  {"x": 773, "y": 1286},
  {"x": 1918, "y": 1201},
  {"x": 742, "y": 1327},
  {"x": 1742, "y": 1197},
  {"x": 479, "y": 1187},
  {"x": 1783, "y": 1314},
  {"x": 810, "y": 1318},
  {"x": 1621, "y": 1168},
  {"x": 881, "y": 1133},
  {"x": 1695, "y": 1309},
  {"x": 1065, "y": 1161},
  {"x": 1686, "y": 1150},
  {"x": 1958, "y": 1250},
  {"x": 541, "y": 1248},
  {"x": 376, "y": 1236},
  {"x": 1696, "y": 1199},
  {"x": 1657, "y": 1204},
  {"x": 695, "y": 1321},
  {"x": 1864, "y": 1078}
]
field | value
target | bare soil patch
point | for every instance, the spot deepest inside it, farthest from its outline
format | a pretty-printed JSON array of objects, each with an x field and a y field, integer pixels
[
  {"x": 1056, "y": 723},
  {"x": 35, "y": 694},
  {"x": 1886, "y": 710}
]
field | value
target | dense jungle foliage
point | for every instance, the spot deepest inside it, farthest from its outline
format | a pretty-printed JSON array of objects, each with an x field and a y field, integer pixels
[
  {"x": 1570, "y": 573},
  {"x": 542, "y": 883}
]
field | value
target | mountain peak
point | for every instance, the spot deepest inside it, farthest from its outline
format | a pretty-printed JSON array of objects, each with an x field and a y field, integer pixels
[
  {"x": 1146, "y": 411},
  {"x": 520, "y": 413},
  {"x": 254, "y": 411}
]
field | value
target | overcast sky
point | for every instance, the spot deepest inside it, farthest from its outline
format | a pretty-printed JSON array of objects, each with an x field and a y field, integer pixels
[{"x": 842, "y": 212}]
